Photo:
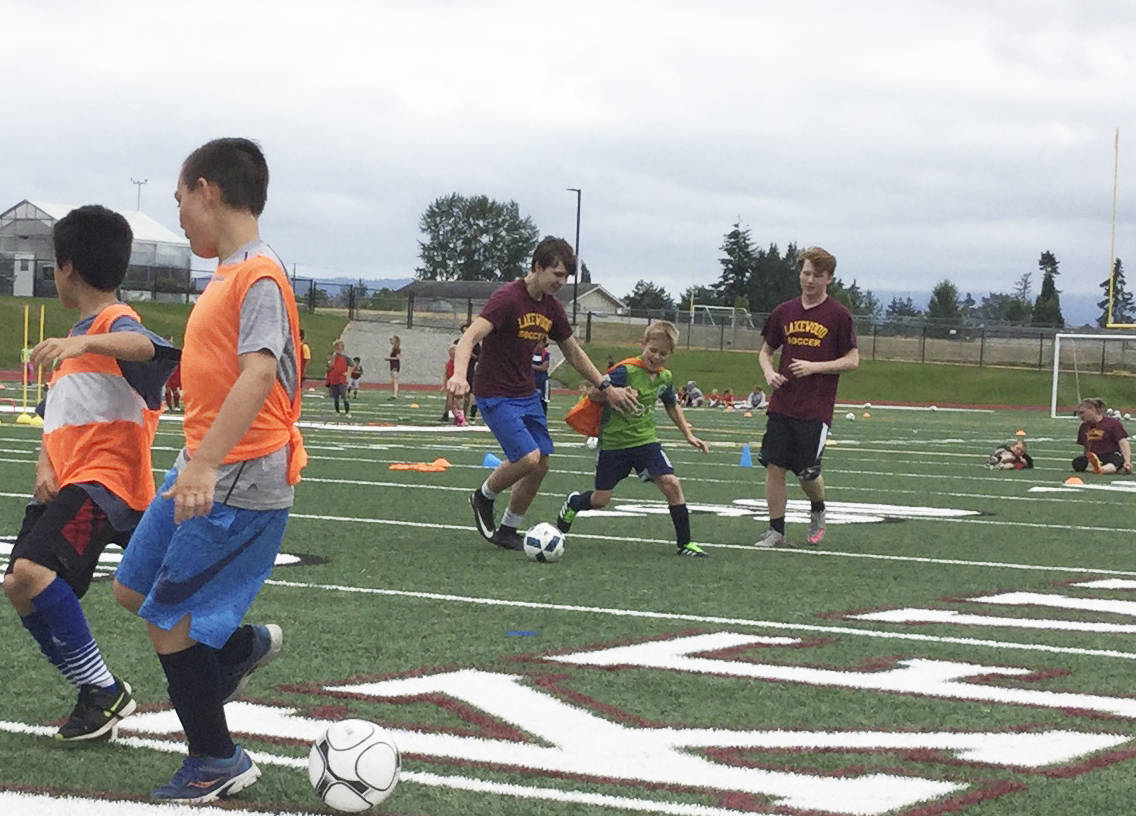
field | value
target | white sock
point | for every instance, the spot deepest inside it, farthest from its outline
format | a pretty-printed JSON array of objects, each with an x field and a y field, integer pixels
[
  {"x": 486, "y": 492},
  {"x": 511, "y": 519}
]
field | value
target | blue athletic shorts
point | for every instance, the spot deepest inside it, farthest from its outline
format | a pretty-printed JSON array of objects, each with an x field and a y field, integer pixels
[
  {"x": 518, "y": 423},
  {"x": 612, "y": 466},
  {"x": 209, "y": 567}
]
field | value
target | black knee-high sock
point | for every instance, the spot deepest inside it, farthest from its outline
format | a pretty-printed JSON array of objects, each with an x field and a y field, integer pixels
[
  {"x": 817, "y": 506},
  {"x": 581, "y": 501},
  {"x": 681, "y": 518},
  {"x": 777, "y": 524},
  {"x": 237, "y": 648},
  {"x": 194, "y": 679}
]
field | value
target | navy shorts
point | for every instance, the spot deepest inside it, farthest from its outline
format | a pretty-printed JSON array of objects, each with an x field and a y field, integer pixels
[
  {"x": 518, "y": 423},
  {"x": 612, "y": 466},
  {"x": 794, "y": 444},
  {"x": 67, "y": 535}
]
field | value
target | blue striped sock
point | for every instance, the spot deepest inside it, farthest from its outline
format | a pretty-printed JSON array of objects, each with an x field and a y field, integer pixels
[{"x": 59, "y": 613}]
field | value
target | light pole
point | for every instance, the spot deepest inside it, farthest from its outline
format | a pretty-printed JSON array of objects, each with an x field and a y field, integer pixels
[
  {"x": 138, "y": 184},
  {"x": 576, "y": 276}
]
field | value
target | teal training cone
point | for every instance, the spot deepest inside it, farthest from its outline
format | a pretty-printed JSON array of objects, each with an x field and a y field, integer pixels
[
  {"x": 747, "y": 460},
  {"x": 490, "y": 461}
]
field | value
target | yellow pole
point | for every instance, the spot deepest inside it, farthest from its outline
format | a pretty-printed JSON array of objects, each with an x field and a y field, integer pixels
[
  {"x": 39, "y": 369},
  {"x": 1112, "y": 244},
  {"x": 24, "y": 357}
]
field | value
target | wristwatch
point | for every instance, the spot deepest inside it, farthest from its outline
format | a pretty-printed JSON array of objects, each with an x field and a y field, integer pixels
[{"x": 605, "y": 382}]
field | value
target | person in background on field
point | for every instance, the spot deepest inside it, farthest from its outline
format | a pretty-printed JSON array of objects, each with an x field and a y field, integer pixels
[
  {"x": 540, "y": 362},
  {"x": 1010, "y": 456},
  {"x": 305, "y": 356},
  {"x": 694, "y": 397},
  {"x": 338, "y": 366},
  {"x": 469, "y": 403},
  {"x": 172, "y": 391},
  {"x": 756, "y": 399},
  {"x": 728, "y": 398},
  {"x": 517, "y": 316},
  {"x": 713, "y": 399},
  {"x": 630, "y": 442},
  {"x": 1104, "y": 438},
  {"x": 356, "y": 376},
  {"x": 817, "y": 340},
  {"x": 451, "y": 408},
  {"x": 93, "y": 478},
  {"x": 395, "y": 360},
  {"x": 207, "y": 543}
]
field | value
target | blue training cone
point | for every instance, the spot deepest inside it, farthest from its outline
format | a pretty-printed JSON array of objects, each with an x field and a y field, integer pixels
[
  {"x": 747, "y": 460},
  {"x": 490, "y": 461}
]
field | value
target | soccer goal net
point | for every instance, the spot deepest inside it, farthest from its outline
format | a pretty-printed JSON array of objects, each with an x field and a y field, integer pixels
[
  {"x": 706, "y": 315},
  {"x": 1093, "y": 365}
]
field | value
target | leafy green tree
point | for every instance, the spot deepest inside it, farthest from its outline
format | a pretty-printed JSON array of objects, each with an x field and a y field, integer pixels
[
  {"x": 944, "y": 304},
  {"x": 1123, "y": 301},
  {"x": 702, "y": 296},
  {"x": 995, "y": 307},
  {"x": 738, "y": 262},
  {"x": 647, "y": 295},
  {"x": 901, "y": 309},
  {"x": 1047, "y": 307},
  {"x": 475, "y": 238}
]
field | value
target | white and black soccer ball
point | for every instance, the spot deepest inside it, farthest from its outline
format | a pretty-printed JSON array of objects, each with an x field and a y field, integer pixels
[
  {"x": 592, "y": 442},
  {"x": 850, "y": 416},
  {"x": 544, "y": 543},
  {"x": 354, "y": 765}
]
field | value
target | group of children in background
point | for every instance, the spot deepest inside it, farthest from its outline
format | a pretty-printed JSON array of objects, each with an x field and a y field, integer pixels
[{"x": 691, "y": 396}]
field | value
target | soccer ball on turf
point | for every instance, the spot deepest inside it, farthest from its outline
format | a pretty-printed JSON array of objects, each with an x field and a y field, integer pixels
[
  {"x": 850, "y": 416},
  {"x": 354, "y": 765},
  {"x": 592, "y": 442},
  {"x": 544, "y": 543}
]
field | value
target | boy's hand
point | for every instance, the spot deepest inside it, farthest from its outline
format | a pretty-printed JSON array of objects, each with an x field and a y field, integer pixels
[
  {"x": 803, "y": 368},
  {"x": 457, "y": 386},
  {"x": 776, "y": 380},
  {"x": 698, "y": 443},
  {"x": 193, "y": 491},
  {"x": 46, "y": 485},
  {"x": 48, "y": 351}
]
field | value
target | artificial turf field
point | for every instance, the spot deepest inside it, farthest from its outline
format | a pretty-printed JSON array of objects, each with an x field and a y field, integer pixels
[{"x": 961, "y": 643}]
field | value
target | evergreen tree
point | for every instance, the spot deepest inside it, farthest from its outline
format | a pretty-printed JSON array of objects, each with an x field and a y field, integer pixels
[
  {"x": 899, "y": 309},
  {"x": 944, "y": 303},
  {"x": 775, "y": 278},
  {"x": 1123, "y": 301},
  {"x": 1047, "y": 307},
  {"x": 649, "y": 296},
  {"x": 738, "y": 262}
]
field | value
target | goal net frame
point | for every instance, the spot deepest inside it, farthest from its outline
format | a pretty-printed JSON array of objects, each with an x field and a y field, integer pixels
[
  {"x": 733, "y": 315},
  {"x": 1057, "y": 341}
]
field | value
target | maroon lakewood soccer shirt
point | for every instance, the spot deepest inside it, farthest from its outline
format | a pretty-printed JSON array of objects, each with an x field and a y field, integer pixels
[
  {"x": 504, "y": 368},
  {"x": 824, "y": 332}
]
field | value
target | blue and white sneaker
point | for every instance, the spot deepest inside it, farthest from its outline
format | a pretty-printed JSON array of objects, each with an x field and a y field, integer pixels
[
  {"x": 266, "y": 642},
  {"x": 205, "y": 779}
]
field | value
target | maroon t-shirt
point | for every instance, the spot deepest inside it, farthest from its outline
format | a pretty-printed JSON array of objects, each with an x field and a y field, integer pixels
[
  {"x": 824, "y": 332},
  {"x": 504, "y": 368},
  {"x": 1102, "y": 438}
]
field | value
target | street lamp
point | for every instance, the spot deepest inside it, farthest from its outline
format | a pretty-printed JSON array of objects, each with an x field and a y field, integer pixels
[
  {"x": 576, "y": 276},
  {"x": 138, "y": 183}
]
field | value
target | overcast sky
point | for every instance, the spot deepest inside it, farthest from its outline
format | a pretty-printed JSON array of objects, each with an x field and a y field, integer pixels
[{"x": 914, "y": 140}]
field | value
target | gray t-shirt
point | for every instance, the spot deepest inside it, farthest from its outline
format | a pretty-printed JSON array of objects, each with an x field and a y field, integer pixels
[{"x": 262, "y": 483}]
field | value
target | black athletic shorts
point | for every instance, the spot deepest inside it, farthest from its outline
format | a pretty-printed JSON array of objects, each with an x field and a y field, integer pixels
[
  {"x": 67, "y": 535},
  {"x": 794, "y": 444}
]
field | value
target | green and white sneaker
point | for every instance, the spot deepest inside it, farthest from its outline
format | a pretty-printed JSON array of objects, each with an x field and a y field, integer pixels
[
  {"x": 567, "y": 514},
  {"x": 692, "y": 550},
  {"x": 771, "y": 538}
]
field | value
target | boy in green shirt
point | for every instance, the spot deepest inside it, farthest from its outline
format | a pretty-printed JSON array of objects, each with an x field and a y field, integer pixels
[{"x": 630, "y": 442}]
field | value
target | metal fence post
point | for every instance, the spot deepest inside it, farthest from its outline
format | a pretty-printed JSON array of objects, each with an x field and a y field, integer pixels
[
  {"x": 469, "y": 311},
  {"x": 722, "y": 336},
  {"x": 875, "y": 330},
  {"x": 588, "y": 329},
  {"x": 410, "y": 310},
  {"x": 1040, "y": 347},
  {"x": 981, "y": 347},
  {"x": 923, "y": 345}
]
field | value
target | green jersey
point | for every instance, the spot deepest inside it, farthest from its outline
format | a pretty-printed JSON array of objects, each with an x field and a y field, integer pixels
[{"x": 619, "y": 431}]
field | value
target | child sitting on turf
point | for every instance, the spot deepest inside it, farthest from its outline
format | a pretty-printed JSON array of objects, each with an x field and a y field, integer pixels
[
  {"x": 1010, "y": 456},
  {"x": 630, "y": 441}
]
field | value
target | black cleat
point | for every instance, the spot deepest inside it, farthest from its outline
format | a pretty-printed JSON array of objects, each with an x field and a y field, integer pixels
[
  {"x": 508, "y": 539},
  {"x": 483, "y": 514}
]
